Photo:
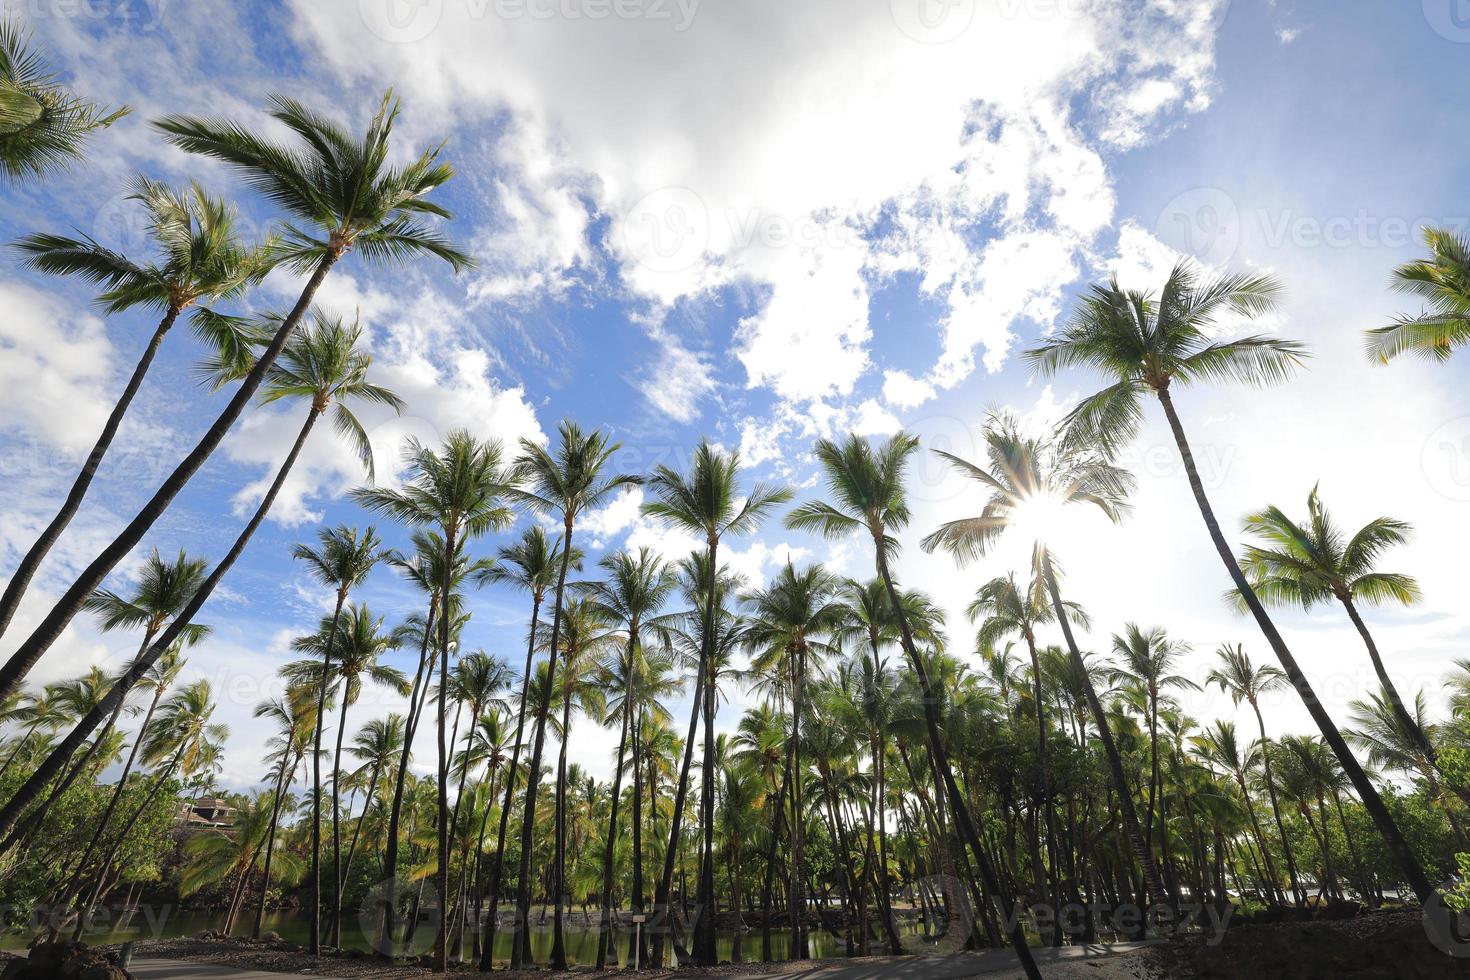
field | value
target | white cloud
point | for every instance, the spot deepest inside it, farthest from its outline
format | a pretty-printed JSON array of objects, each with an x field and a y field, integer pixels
[{"x": 902, "y": 390}]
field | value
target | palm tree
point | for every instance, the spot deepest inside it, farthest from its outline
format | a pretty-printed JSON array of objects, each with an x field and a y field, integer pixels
[
  {"x": 564, "y": 485},
  {"x": 295, "y": 718},
  {"x": 202, "y": 260},
  {"x": 349, "y": 649},
  {"x": 321, "y": 366},
  {"x": 460, "y": 491},
  {"x": 1154, "y": 345},
  {"x": 377, "y": 746},
  {"x": 1380, "y": 731},
  {"x": 1029, "y": 477},
  {"x": 42, "y": 124},
  {"x": 341, "y": 563},
  {"x": 867, "y": 485},
  {"x": 342, "y": 187},
  {"x": 531, "y": 565},
  {"x": 1307, "y": 564},
  {"x": 1243, "y": 681},
  {"x": 1442, "y": 280},
  {"x": 638, "y": 585},
  {"x": 706, "y": 501},
  {"x": 1221, "y": 746}
]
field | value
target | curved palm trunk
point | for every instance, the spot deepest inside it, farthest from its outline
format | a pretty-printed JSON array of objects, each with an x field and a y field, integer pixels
[
  {"x": 1392, "y": 836},
  {"x": 604, "y": 933},
  {"x": 384, "y": 942},
  {"x": 966, "y": 823},
  {"x": 73, "y": 600},
  {"x": 559, "y": 862},
  {"x": 141, "y": 665},
  {"x": 367, "y": 805},
  {"x": 661, "y": 916},
  {"x": 487, "y": 950},
  {"x": 314, "y": 934},
  {"x": 521, "y": 947},
  {"x": 1296, "y": 890},
  {"x": 335, "y": 936},
  {"x": 1141, "y": 853},
  {"x": 283, "y": 783},
  {"x": 441, "y": 875},
  {"x": 1052, "y": 886},
  {"x": 20, "y": 579},
  {"x": 33, "y": 820}
]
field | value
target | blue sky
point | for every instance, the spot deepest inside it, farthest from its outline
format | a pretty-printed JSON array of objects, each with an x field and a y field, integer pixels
[{"x": 768, "y": 222}]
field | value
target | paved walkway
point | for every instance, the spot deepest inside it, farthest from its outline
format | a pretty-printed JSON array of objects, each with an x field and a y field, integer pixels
[
  {"x": 149, "y": 968},
  {"x": 951, "y": 967}
]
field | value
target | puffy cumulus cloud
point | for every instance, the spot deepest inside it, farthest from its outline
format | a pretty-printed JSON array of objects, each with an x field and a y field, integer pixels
[
  {"x": 678, "y": 380},
  {"x": 902, "y": 390},
  {"x": 709, "y": 144}
]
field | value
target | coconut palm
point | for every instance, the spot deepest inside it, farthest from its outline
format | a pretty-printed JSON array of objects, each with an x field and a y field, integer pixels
[
  {"x": 294, "y": 714},
  {"x": 216, "y": 856},
  {"x": 202, "y": 260},
  {"x": 43, "y": 126},
  {"x": 1220, "y": 746},
  {"x": 1243, "y": 681},
  {"x": 531, "y": 565},
  {"x": 866, "y": 484},
  {"x": 460, "y": 490},
  {"x": 1442, "y": 280},
  {"x": 637, "y": 586},
  {"x": 1311, "y": 563},
  {"x": 706, "y": 501},
  {"x": 564, "y": 485},
  {"x": 343, "y": 196},
  {"x": 1154, "y": 346},
  {"x": 376, "y": 745},
  {"x": 341, "y": 563},
  {"x": 323, "y": 367}
]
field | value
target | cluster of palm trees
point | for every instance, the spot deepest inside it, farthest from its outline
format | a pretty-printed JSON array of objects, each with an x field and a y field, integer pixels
[{"x": 885, "y": 786}]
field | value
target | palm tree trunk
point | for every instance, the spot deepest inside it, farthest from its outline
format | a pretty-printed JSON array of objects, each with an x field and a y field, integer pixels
[
  {"x": 335, "y": 936},
  {"x": 367, "y": 804},
  {"x": 1052, "y": 886},
  {"x": 1398, "y": 846},
  {"x": 387, "y": 921},
  {"x": 521, "y": 948},
  {"x": 73, "y": 600},
  {"x": 705, "y": 952},
  {"x": 1131, "y": 829},
  {"x": 314, "y": 934},
  {"x": 20, "y": 579},
  {"x": 487, "y": 950},
  {"x": 799, "y": 949},
  {"x": 1296, "y": 891},
  {"x": 25, "y": 828},
  {"x": 604, "y": 933},
  {"x": 637, "y": 946},
  {"x": 141, "y": 665},
  {"x": 441, "y": 875},
  {"x": 778, "y": 814},
  {"x": 661, "y": 916},
  {"x": 559, "y": 862},
  {"x": 283, "y": 783}
]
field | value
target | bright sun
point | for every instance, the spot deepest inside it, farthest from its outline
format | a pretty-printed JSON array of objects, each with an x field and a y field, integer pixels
[{"x": 1039, "y": 518}]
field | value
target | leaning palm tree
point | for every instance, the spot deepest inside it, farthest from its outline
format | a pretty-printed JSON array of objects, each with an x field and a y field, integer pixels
[
  {"x": 295, "y": 716},
  {"x": 202, "y": 259},
  {"x": 706, "y": 501},
  {"x": 341, "y": 563},
  {"x": 1027, "y": 477},
  {"x": 460, "y": 490},
  {"x": 1442, "y": 280},
  {"x": 637, "y": 586},
  {"x": 531, "y": 565},
  {"x": 349, "y": 647},
  {"x": 866, "y": 484},
  {"x": 1311, "y": 563},
  {"x": 1220, "y": 746},
  {"x": 344, "y": 196},
  {"x": 1154, "y": 346},
  {"x": 43, "y": 126},
  {"x": 563, "y": 485},
  {"x": 1244, "y": 681},
  {"x": 377, "y": 746},
  {"x": 323, "y": 367}
]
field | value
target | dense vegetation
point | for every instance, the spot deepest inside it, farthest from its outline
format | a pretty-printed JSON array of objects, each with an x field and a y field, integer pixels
[{"x": 886, "y": 765}]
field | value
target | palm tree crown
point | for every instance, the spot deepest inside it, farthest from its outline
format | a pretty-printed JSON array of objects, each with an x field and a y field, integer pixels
[{"x": 1442, "y": 280}]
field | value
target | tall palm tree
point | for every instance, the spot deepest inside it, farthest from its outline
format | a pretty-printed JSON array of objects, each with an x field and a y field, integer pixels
[
  {"x": 377, "y": 746},
  {"x": 562, "y": 485},
  {"x": 202, "y": 259},
  {"x": 1244, "y": 681},
  {"x": 1155, "y": 345},
  {"x": 1221, "y": 746},
  {"x": 531, "y": 565},
  {"x": 460, "y": 490},
  {"x": 343, "y": 188},
  {"x": 341, "y": 563},
  {"x": 321, "y": 366},
  {"x": 637, "y": 586},
  {"x": 1442, "y": 280},
  {"x": 1307, "y": 564},
  {"x": 295, "y": 716},
  {"x": 706, "y": 501},
  {"x": 349, "y": 648},
  {"x": 43, "y": 126},
  {"x": 1025, "y": 475},
  {"x": 866, "y": 484}
]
